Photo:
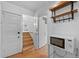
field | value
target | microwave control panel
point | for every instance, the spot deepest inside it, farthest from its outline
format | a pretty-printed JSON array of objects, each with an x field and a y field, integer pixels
[{"x": 70, "y": 45}]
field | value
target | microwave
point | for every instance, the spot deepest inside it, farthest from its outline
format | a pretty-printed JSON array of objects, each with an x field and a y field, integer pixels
[
  {"x": 67, "y": 44},
  {"x": 59, "y": 42}
]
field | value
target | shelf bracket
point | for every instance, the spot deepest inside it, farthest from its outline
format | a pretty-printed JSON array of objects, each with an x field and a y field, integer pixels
[{"x": 72, "y": 7}]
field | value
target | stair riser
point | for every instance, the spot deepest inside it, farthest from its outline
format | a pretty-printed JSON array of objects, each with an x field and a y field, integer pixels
[
  {"x": 29, "y": 48},
  {"x": 27, "y": 40},
  {"x": 28, "y": 43}
]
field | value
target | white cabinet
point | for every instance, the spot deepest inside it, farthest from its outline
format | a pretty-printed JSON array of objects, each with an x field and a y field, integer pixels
[{"x": 56, "y": 52}]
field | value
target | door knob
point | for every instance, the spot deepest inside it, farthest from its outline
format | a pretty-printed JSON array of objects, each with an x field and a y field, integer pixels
[{"x": 18, "y": 32}]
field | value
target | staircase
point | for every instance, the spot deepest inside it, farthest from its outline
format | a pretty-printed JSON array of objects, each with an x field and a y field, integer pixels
[{"x": 27, "y": 42}]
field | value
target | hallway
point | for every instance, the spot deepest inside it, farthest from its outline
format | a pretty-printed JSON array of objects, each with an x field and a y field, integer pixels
[
  {"x": 39, "y": 29},
  {"x": 37, "y": 53}
]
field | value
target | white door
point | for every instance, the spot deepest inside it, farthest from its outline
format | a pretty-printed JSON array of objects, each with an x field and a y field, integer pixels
[
  {"x": 10, "y": 34},
  {"x": 42, "y": 32}
]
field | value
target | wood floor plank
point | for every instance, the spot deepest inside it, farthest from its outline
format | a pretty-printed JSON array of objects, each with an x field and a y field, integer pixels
[{"x": 37, "y": 53}]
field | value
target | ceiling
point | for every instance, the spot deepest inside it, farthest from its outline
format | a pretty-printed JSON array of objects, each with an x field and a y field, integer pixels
[{"x": 32, "y": 5}]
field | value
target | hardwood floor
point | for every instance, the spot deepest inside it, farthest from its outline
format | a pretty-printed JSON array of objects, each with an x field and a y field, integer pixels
[
  {"x": 37, "y": 53},
  {"x": 28, "y": 49}
]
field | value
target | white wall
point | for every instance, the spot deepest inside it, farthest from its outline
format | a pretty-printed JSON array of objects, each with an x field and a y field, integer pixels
[
  {"x": 28, "y": 23},
  {"x": 0, "y": 29},
  {"x": 35, "y": 33},
  {"x": 66, "y": 28},
  {"x": 42, "y": 32},
  {"x": 0, "y": 5},
  {"x": 43, "y": 11},
  {"x": 38, "y": 41}
]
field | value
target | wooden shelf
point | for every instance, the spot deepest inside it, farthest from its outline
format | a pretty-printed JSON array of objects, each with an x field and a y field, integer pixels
[
  {"x": 60, "y": 5},
  {"x": 66, "y": 13}
]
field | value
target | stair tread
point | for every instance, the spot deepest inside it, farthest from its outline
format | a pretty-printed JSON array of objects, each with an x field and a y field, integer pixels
[
  {"x": 27, "y": 40},
  {"x": 26, "y": 34},
  {"x": 28, "y": 48},
  {"x": 27, "y": 43}
]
